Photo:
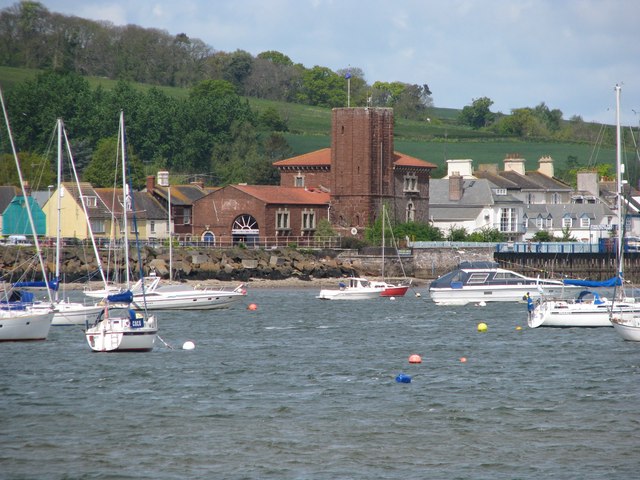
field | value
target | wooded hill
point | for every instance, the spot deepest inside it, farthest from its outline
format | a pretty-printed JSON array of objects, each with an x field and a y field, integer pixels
[{"x": 227, "y": 116}]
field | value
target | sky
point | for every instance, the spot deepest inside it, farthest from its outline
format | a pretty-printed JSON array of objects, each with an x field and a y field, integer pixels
[{"x": 569, "y": 54}]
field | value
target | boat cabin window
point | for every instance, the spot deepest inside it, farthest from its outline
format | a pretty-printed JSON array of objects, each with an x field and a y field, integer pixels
[
  {"x": 505, "y": 276},
  {"x": 478, "y": 278}
]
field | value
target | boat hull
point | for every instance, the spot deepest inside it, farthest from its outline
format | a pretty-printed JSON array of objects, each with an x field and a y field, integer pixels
[
  {"x": 627, "y": 326},
  {"x": 207, "y": 301},
  {"x": 395, "y": 291},
  {"x": 24, "y": 326},
  {"x": 348, "y": 295},
  {"x": 117, "y": 335},
  {"x": 67, "y": 314},
  {"x": 472, "y": 294},
  {"x": 561, "y": 314}
]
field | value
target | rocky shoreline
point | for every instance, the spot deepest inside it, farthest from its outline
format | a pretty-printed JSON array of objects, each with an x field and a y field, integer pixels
[{"x": 257, "y": 268}]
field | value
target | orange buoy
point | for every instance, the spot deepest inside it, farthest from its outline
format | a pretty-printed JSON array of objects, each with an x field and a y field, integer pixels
[
  {"x": 415, "y": 358},
  {"x": 252, "y": 306},
  {"x": 463, "y": 359}
]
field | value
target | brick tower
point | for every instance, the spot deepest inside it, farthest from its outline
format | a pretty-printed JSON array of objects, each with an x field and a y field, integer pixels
[{"x": 362, "y": 157}]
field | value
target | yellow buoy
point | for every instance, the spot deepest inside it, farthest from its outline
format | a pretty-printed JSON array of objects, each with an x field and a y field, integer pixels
[{"x": 482, "y": 327}]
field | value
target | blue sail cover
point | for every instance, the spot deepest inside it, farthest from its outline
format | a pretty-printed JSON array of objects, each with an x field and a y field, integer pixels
[
  {"x": 53, "y": 285},
  {"x": 124, "y": 297},
  {"x": 611, "y": 282}
]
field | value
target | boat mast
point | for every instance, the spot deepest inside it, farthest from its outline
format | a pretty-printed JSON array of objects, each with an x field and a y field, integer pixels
[
  {"x": 619, "y": 170},
  {"x": 26, "y": 199},
  {"x": 59, "y": 204},
  {"x": 126, "y": 201}
]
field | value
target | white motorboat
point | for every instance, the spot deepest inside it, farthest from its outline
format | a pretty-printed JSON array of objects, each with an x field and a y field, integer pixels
[
  {"x": 475, "y": 282},
  {"x": 355, "y": 288},
  {"x": 592, "y": 311},
  {"x": 627, "y": 325},
  {"x": 182, "y": 297}
]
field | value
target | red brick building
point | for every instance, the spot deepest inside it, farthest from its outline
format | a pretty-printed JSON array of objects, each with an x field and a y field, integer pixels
[{"x": 347, "y": 184}]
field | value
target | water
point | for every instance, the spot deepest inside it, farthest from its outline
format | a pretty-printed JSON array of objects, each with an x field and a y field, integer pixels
[{"x": 305, "y": 389}]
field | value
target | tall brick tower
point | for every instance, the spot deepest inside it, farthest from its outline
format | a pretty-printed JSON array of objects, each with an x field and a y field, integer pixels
[{"x": 361, "y": 164}]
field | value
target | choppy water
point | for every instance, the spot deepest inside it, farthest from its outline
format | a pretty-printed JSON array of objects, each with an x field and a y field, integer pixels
[{"x": 305, "y": 389}]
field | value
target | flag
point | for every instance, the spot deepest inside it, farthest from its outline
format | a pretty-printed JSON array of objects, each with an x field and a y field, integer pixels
[{"x": 347, "y": 75}]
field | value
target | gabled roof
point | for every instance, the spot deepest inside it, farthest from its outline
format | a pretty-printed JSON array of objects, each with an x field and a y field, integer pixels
[
  {"x": 530, "y": 181},
  {"x": 322, "y": 158},
  {"x": 182, "y": 195},
  {"x": 101, "y": 210},
  {"x": 276, "y": 195},
  {"x": 476, "y": 192},
  {"x": 319, "y": 158},
  {"x": 595, "y": 211},
  {"x": 402, "y": 160},
  {"x": 144, "y": 204},
  {"x": 6, "y": 195}
]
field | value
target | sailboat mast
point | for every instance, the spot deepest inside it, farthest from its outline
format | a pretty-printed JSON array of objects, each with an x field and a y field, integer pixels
[
  {"x": 26, "y": 199},
  {"x": 59, "y": 205},
  {"x": 126, "y": 199},
  {"x": 619, "y": 170}
]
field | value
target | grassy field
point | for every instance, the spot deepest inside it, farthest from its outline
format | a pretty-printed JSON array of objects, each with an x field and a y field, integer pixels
[{"x": 434, "y": 141}]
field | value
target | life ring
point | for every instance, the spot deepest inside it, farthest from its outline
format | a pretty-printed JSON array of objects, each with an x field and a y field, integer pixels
[{"x": 126, "y": 324}]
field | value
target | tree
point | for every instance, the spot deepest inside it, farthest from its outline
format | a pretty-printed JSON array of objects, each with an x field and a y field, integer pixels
[
  {"x": 478, "y": 114},
  {"x": 36, "y": 170},
  {"x": 105, "y": 167},
  {"x": 323, "y": 88}
]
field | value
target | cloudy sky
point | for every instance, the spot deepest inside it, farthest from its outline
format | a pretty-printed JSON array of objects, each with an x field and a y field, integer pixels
[{"x": 519, "y": 53}]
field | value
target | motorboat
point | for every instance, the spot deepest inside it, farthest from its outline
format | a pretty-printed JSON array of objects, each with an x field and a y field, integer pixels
[
  {"x": 392, "y": 289},
  {"x": 475, "y": 282},
  {"x": 182, "y": 297},
  {"x": 353, "y": 288}
]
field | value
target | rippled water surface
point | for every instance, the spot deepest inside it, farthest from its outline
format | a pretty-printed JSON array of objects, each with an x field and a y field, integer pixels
[{"x": 305, "y": 389}]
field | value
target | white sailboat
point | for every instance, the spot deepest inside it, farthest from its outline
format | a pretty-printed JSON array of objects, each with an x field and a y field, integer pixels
[
  {"x": 67, "y": 312},
  {"x": 589, "y": 309},
  {"x": 118, "y": 327},
  {"x": 391, "y": 289},
  {"x": 625, "y": 323},
  {"x": 23, "y": 322}
]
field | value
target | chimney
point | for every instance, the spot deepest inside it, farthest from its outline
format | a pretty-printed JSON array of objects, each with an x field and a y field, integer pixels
[
  {"x": 588, "y": 182},
  {"x": 545, "y": 166},
  {"x": 163, "y": 178},
  {"x": 462, "y": 167},
  {"x": 151, "y": 183},
  {"x": 456, "y": 186},
  {"x": 513, "y": 162}
]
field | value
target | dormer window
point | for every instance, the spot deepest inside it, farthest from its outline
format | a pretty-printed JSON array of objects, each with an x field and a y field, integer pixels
[
  {"x": 89, "y": 201},
  {"x": 298, "y": 181}
]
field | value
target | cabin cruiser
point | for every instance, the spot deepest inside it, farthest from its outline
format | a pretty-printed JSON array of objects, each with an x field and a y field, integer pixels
[
  {"x": 475, "y": 282},
  {"x": 355, "y": 288}
]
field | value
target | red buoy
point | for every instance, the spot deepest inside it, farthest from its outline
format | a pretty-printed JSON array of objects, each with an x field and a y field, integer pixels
[{"x": 415, "y": 358}]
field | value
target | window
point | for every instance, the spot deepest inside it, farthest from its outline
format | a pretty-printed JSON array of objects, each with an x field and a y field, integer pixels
[
  {"x": 89, "y": 201},
  {"x": 508, "y": 220},
  {"x": 97, "y": 226},
  {"x": 411, "y": 183},
  {"x": 411, "y": 212},
  {"x": 500, "y": 191},
  {"x": 555, "y": 198},
  {"x": 549, "y": 221},
  {"x": 186, "y": 216},
  {"x": 299, "y": 181},
  {"x": 585, "y": 222},
  {"x": 152, "y": 226},
  {"x": 539, "y": 222},
  {"x": 308, "y": 220},
  {"x": 567, "y": 222},
  {"x": 282, "y": 220}
]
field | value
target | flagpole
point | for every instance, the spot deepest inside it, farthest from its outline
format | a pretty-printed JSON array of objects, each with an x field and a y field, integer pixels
[{"x": 348, "y": 77}]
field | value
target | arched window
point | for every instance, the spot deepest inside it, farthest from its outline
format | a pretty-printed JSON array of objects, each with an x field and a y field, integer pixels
[{"x": 411, "y": 212}]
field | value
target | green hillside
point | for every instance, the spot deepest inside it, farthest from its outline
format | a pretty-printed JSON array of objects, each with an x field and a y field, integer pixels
[{"x": 434, "y": 141}]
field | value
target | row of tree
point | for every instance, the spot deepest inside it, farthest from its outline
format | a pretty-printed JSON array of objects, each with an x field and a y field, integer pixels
[
  {"x": 213, "y": 131},
  {"x": 33, "y": 37}
]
